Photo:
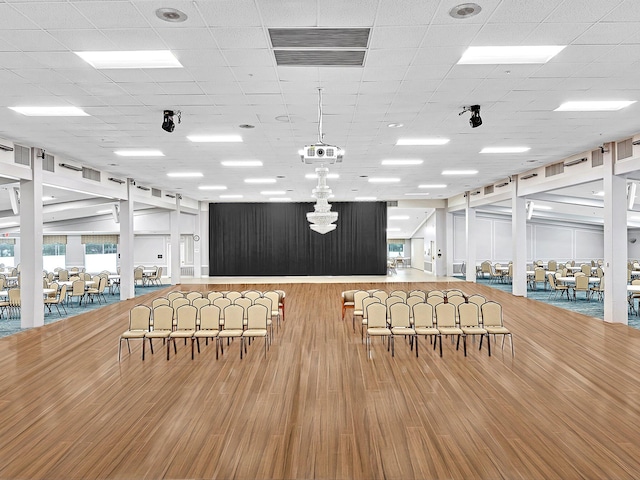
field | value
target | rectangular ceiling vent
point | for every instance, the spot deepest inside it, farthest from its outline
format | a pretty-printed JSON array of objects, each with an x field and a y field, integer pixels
[
  {"x": 555, "y": 169},
  {"x": 21, "y": 155},
  {"x": 156, "y": 192},
  {"x": 327, "y": 47},
  {"x": 90, "y": 174},
  {"x": 393, "y": 203},
  {"x": 624, "y": 149},
  {"x": 597, "y": 158},
  {"x": 488, "y": 189},
  {"x": 48, "y": 163}
]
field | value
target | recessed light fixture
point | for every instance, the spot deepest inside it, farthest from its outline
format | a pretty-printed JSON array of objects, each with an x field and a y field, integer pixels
[
  {"x": 259, "y": 180},
  {"x": 434, "y": 185},
  {"x": 383, "y": 180},
  {"x": 505, "y": 149},
  {"x": 273, "y": 192},
  {"x": 171, "y": 15},
  {"x": 402, "y": 162},
  {"x": 365, "y": 199},
  {"x": 212, "y": 187},
  {"x": 395, "y": 125},
  {"x": 422, "y": 141},
  {"x": 241, "y": 163},
  {"x": 465, "y": 10},
  {"x": 459, "y": 172},
  {"x": 184, "y": 174},
  {"x": 509, "y": 54},
  {"x": 314, "y": 176},
  {"x": 399, "y": 217},
  {"x": 230, "y": 196},
  {"x": 215, "y": 138},
  {"x": 594, "y": 106},
  {"x": 50, "y": 111},
  {"x": 130, "y": 59},
  {"x": 246, "y": 126},
  {"x": 280, "y": 199},
  {"x": 139, "y": 153}
]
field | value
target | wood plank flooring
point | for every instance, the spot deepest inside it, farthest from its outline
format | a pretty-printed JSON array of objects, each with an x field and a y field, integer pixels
[{"x": 566, "y": 406}]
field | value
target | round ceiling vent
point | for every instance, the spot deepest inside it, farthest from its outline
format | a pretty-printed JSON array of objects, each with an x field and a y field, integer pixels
[
  {"x": 171, "y": 15},
  {"x": 465, "y": 10}
]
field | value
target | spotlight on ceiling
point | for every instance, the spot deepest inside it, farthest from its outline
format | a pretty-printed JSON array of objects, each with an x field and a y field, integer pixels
[
  {"x": 168, "y": 125},
  {"x": 475, "y": 120}
]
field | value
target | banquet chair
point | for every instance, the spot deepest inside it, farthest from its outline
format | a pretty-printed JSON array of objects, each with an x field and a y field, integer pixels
[
  {"x": 185, "y": 327},
  {"x": 257, "y": 316},
  {"x": 209, "y": 326},
  {"x": 162, "y": 325},
  {"x": 376, "y": 324},
  {"x": 400, "y": 319},
  {"x": 493, "y": 322},
  {"x": 469, "y": 315},
  {"x": 423, "y": 324},
  {"x": 139, "y": 321},
  {"x": 446, "y": 323}
]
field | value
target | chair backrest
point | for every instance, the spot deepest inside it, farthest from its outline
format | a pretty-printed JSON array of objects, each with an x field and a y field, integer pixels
[
  {"x": 551, "y": 278},
  {"x": 257, "y": 317},
  {"x": 347, "y": 295},
  {"x": 422, "y": 315},
  {"x": 477, "y": 299},
  {"x": 191, "y": 296},
  {"x": 63, "y": 275},
  {"x": 552, "y": 265},
  {"x": 179, "y": 302},
  {"x": 73, "y": 278},
  {"x": 392, "y": 300},
  {"x": 400, "y": 314},
  {"x": 186, "y": 316},
  {"x": 377, "y": 315},
  {"x": 200, "y": 302},
  {"x": 446, "y": 315},
  {"x": 267, "y": 302},
  {"x": 102, "y": 284},
  {"x": 358, "y": 297},
  {"x": 539, "y": 274},
  {"x": 599, "y": 272},
  {"x": 158, "y": 273},
  {"x": 586, "y": 269},
  {"x": 469, "y": 315},
  {"x": 435, "y": 300},
  {"x": 77, "y": 287},
  {"x": 456, "y": 300},
  {"x": 50, "y": 276},
  {"x": 54, "y": 286},
  {"x": 160, "y": 301},
  {"x": 274, "y": 297},
  {"x": 221, "y": 303},
  {"x": 492, "y": 314},
  {"x": 418, "y": 293},
  {"x": 213, "y": 295},
  {"x": 233, "y": 295},
  {"x": 368, "y": 301},
  {"x": 137, "y": 274},
  {"x": 163, "y": 318},
  {"x": 381, "y": 295},
  {"x": 210, "y": 317},
  {"x": 233, "y": 317},
  {"x": 600, "y": 285},
  {"x": 435, "y": 293},
  {"x": 244, "y": 303},
  {"x": 252, "y": 294},
  {"x": 63, "y": 294},
  {"x": 139, "y": 318},
  {"x": 455, "y": 293},
  {"x": 485, "y": 267},
  {"x": 14, "y": 297},
  {"x": 399, "y": 293},
  {"x": 173, "y": 295},
  {"x": 582, "y": 282},
  {"x": 412, "y": 300}
]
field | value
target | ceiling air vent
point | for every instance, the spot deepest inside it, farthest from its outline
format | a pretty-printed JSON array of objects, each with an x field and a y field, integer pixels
[
  {"x": 21, "y": 155},
  {"x": 488, "y": 189},
  {"x": 48, "y": 163},
  {"x": 597, "y": 158},
  {"x": 320, "y": 58},
  {"x": 90, "y": 174},
  {"x": 555, "y": 169},
  {"x": 393, "y": 203},
  {"x": 156, "y": 192},
  {"x": 624, "y": 149}
]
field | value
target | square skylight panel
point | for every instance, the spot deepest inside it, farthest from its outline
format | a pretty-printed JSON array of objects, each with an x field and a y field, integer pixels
[
  {"x": 130, "y": 59},
  {"x": 594, "y": 106},
  {"x": 509, "y": 54}
]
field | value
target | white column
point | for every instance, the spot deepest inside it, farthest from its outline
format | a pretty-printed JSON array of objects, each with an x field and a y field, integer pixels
[
  {"x": 441, "y": 242},
  {"x": 31, "y": 297},
  {"x": 615, "y": 242},
  {"x": 127, "y": 287},
  {"x": 519, "y": 239},
  {"x": 175, "y": 243},
  {"x": 449, "y": 240},
  {"x": 197, "y": 250},
  {"x": 470, "y": 215}
]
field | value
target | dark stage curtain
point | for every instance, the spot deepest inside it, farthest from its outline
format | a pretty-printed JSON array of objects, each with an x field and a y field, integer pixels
[{"x": 263, "y": 239}]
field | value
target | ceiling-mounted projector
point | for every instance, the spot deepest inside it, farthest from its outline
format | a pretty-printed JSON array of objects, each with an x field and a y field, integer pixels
[{"x": 321, "y": 153}]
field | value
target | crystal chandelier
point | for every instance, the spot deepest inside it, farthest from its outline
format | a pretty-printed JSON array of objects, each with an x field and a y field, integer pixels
[{"x": 322, "y": 218}]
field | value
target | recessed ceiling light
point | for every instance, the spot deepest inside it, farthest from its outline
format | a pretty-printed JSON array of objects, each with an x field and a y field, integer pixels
[
  {"x": 594, "y": 106},
  {"x": 215, "y": 138},
  {"x": 283, "y": 118},
  {"x": 50, "y": 111},
  {"x": 139, "y": 153},
  {"x": 422, "y": 141},
  {"x": 505, "y": 149},
  {"x": 465, "y": 10},
  {"x": 184, "y": 174},
  {"x": 402, "y": 162},
  {"x": 459, "y": 172},
  {"x": 365, "y": 199},
  {"x": 598, "y": 194},
  {"x": 435, "y": 185},
  {"x": 542, "y": 207},
  {"x": 314, "y": 176},
  {"x": 509, "y": 54},
  {"x": 259, "y": 180},
  {"x": 102, "y": 212},
  {"x": 131, "y": 59},
  {"x": 212, "y": 187},
  {"x": 383, "y": 180},
  {"x": 247, "y": 126},
  {"x": 418, "y": 194},
  {"x": 399, "y": 217},
  {"x": 280, "y": 199},
  {"x": 230, "y": 196},
  {"x": 273, "y": 192},
  {"x": 395, "y": 125},
  {"x": 171, "y": 15},
  {"x": 241, "y": 163}
]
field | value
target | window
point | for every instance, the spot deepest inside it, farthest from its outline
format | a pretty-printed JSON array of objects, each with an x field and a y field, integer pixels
[
  {"x": 395, "y": 249},
  {"x": 6, "y": 254},
  {"x": 53, "y": 255},
  {"x": 100, "y": 256}
]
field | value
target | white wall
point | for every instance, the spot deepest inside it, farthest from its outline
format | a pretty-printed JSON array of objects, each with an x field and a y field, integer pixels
[{"x": 417, "y": 253}]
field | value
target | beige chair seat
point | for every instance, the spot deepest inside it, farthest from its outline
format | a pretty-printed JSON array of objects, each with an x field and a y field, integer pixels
[
  {"x": 497, "y": 330},
  {"x": 403, "y": 331},
  {"x": 474, "y": 331},
  {"x": 182, "y": 334},
  {"x": 450, "y": 330},
  {"x": 349, "y": 304},
  {"x": 206, "y": 333},
  {"x": 378, "y": 331},
  {"x": 230, "y": 333},
  {"x": 158, "y": 334},
  {"x": 357, "y": 313},
  {"x": 427, "y": 331},
  {"x": 134, "y": 334},
  {"x": 255, "y": 332}
]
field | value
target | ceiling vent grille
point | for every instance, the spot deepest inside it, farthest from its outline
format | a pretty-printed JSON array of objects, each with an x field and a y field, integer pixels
[
  {"x": 555, "y": 169},
  {"x": 90, "y": 174},
  {"x": 393, "y": 203},
  {"x": 48, "y": 163},
  {"x": 597, "y": 158},
  {"x": 488, "y": 189},
  {"x": 156, "y": 192},
  {"x": 319, "y": 38},
  {"x": 624, "y": 149},
  {"x": 320, "y": 58},
  {"x": 21, "y": 155}
]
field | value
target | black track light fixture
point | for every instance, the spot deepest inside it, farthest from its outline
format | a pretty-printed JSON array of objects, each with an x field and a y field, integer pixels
[
  {"x": 475, "y": 120},
  {"x": 168, "y": 125}
]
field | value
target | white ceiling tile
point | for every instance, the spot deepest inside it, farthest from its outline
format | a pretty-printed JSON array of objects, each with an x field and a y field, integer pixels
[
  {"x": 82, "y": 40},
  {"x": 556, "y": 33},
  {"x": 18, "y": 60},
  {"x": 582, "y": 11},
  {"x": 396, "y": 37},
  {"x": 340, "y": 74},
  {"x": 59, "y": 59},
  {"x": 379, "y": 87},
  {"x": 53, "y": 15},
  {"x": 608, "y": 33},
  {"x": 249, "y": 57},
  {"x": 127, "y": 75},
  {"x": 31, "y": 40},
  {"x": 39, "y": 75},
  {"x": 442, "y": 16},
  {"x": 254, "y": 74},
  {"x": 198, "y": 59},
  {"x": 355, "y": 13},
  {"x": 289, "y": 13},
  {"x": 441, "y": 55},
  {"x": 581, "y": 54},
  {"x": 220, "y": 88},
  {"x": 181, "y": 88},
  {"x": 523, "y": 11},
  {"x": 380, "y": 58},
  {"x": 294, "y": 76},
  {"x": 142, "y": 88},
  {"x": 169, "y": 74},
  {"x": 135, "y": 39},
  {"x": 12, "y": 19},
  {"x": 383, "y": 74},
  {"x": 425, "y": 72},
  {"x": 241, "y": 37},
  {"x": 186, "y": 38},
  {"x": 230, "y": 13},
  {"x": 450, "y": 35},
  {"x": 412, "y": 13},
  {"x": 114, "y": 14},
  {"x": 627, "y": 11},
  {"x": 503, "y": 34},
  {"x": 264, "y": 99}
]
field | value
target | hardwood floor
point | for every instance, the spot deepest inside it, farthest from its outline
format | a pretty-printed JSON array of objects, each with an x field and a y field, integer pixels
[{"x": 566, "y": 406}]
